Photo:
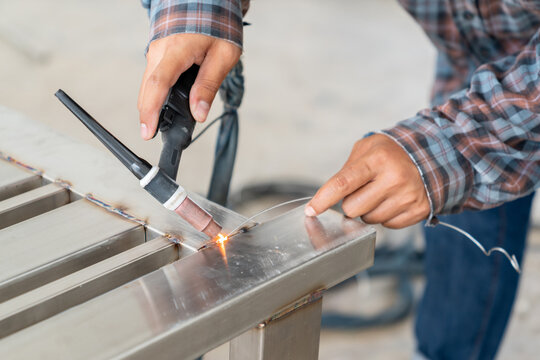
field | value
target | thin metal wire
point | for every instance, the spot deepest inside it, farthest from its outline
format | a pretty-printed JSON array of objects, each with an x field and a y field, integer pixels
[
  {"x": 239, "y": 227},
  {"x": 208, "y": 126},
  {"x": 512, "y": 258}
]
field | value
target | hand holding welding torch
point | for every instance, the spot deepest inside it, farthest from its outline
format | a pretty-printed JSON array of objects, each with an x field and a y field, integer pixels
[
  {"x": 171, "y": 56},
  {"x": 379, "y": 183},
  {"x": 176, "y": 125}
]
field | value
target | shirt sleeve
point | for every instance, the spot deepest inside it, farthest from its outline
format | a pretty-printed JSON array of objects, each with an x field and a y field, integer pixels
[
  {"x": 482, "y": 147},
  {"x": 217, "y": 18}
]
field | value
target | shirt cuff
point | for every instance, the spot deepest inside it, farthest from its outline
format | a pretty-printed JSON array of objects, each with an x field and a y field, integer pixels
[
  {"x": 220, "y": 19},
  {"x": 448, "y": 177}
]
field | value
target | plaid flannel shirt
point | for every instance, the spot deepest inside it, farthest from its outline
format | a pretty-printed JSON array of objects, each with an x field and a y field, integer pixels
[
  {"x": 479, "y": 145},
  {"x": 217, "y": 18}
]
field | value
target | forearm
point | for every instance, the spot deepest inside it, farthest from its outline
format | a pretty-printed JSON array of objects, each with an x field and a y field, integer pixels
[
  {"x": 216, "y": 18},
  {"x": 482, "y": 147}
]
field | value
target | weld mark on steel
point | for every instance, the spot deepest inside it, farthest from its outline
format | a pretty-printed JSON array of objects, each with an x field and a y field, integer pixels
[
  {"x": 23, "y": 165},
  {"x": 127, "y": 216},
  {"x": 113, "y": 209},
  {"x": 68, "y": 186},
  {"x": 306, "y": 300},
  {"x": 173, "y": 239}
]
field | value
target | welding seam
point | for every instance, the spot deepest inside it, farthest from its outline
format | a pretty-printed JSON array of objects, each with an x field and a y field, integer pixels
[
  {"x": 122, "y": 213},
  {"x": 23, "y": 165},
  {"x": 306, "y": 300},
  {"x": 113, "y": 209},
  {"x": 68, "y": 186}
]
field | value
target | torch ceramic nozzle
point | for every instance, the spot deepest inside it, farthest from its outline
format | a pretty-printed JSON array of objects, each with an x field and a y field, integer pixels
[{"x": 198, "y": 218}]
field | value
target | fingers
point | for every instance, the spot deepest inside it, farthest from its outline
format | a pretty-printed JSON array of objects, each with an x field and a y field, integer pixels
[
  {"x": 215, "y": 67},
  {"x": 363, "y": 200},
  {"x": 155, "y": 87},
  {"x": 351, "y": 177},
  {"x": 405, "y": 219},
  {"x": 383, "y": 212},
  {"x": 171, "y": 56},
  {"x": 379, "y": 183}
]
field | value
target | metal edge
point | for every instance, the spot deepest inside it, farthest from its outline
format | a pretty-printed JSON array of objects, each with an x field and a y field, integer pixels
[
  {"x": 183, "y": 340},
  {"x": 32, "y": 203},
  {"x": 85, "y": 284},
  {"x": 96, "y": 173}
]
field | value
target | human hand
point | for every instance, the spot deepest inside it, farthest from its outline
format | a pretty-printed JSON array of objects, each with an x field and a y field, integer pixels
[
  {"x": 168, "y": 58},
  {"x": 379, "y": 183}
]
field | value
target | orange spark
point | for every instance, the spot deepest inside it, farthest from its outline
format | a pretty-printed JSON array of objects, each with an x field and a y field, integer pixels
[
  {"x": 221, "y": 242},
  {"x": 221, "y": 239}
]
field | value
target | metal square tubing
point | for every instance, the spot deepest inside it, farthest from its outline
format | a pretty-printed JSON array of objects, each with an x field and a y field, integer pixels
[
  {"x": 205, "y": 299},
  {"x": 293, "y": 336}
]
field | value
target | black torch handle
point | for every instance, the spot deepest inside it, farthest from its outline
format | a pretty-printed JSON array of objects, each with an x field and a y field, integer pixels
[{"x": 176, "y": 122}]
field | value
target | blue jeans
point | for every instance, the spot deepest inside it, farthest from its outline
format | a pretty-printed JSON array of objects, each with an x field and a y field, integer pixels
[{"x": 468, "y": 297}]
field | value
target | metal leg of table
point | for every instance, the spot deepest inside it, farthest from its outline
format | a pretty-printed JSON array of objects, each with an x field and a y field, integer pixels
[{"x": 294, "y": 335}]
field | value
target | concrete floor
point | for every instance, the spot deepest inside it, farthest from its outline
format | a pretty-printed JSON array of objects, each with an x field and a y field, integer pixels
[{"x": 319, "y": 75}]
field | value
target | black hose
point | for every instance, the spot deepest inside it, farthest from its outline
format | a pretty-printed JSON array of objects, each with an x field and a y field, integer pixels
[{"x": 232, "y": 92}]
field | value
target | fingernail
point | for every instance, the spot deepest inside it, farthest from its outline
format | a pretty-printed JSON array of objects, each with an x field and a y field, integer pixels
[
  {"x": 309, "y": 211},
  {"x": 201, "y": 111},
  {"x": 144, "y": 131}
]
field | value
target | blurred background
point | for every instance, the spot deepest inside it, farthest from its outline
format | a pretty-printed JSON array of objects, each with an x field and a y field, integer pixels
[{"x": 319, "y": 75}]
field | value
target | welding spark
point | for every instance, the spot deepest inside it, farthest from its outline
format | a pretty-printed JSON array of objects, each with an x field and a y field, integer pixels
[
  {"x": 221, "y": 239},
  {"x": 221, "y": 242}
]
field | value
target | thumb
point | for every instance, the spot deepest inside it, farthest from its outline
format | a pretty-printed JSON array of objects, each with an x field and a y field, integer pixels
[
  {"x": 213, "y": 71},
  {"x": 154, "y": 90}
]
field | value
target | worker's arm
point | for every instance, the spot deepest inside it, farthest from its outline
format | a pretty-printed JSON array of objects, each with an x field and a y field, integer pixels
[
  {"x": 183, "y": 33},
  {"x": 476, "y": 151}
]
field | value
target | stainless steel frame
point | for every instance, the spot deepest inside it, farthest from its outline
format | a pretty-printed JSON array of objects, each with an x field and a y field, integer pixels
[
  {"x": 14, "y": 182},
  {"x": 31, "y": 203},
  {"x": 87, "y": 281},
  {"x": 294, "y": 335}
]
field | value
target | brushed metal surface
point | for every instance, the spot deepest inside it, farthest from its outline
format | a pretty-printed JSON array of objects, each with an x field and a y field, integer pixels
[
  {"x": 295, "y": 336},
  {"x": 54, "y": 297},
  {"x": 192, "y": 305},
  {"x": 14, "y": 180},
  {"x": 59, "y": 242},
  {"x": 31, "y": 203},
  {"x": 95, "y": 171}
]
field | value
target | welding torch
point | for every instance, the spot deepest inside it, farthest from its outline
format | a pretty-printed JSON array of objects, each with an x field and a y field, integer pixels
[{"x": 176, "y": 124}]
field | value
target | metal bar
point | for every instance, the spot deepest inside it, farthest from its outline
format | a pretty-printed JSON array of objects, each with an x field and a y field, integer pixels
[
  {"x": 95, "y": 171},
  {"x": 59, "y": 242},
  {"x": 294, "y": 336},
  {"x": 32, "y": 203},
  {"x": 190, "y": 306},
  {"x": 76, "y": 288},
  {"x": 15, "y": 181}
]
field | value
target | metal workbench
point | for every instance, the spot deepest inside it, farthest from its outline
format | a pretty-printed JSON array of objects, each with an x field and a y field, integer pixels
[{"x": 92, "y": 267}]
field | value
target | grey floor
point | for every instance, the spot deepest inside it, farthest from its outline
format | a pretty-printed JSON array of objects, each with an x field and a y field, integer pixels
[{"x": 320, "y": 74}]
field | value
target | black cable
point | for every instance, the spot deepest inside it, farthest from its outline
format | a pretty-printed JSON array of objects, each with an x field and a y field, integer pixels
[
  {"x": 232, "y": 92},
  {"x": 207, "y": 127}
]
